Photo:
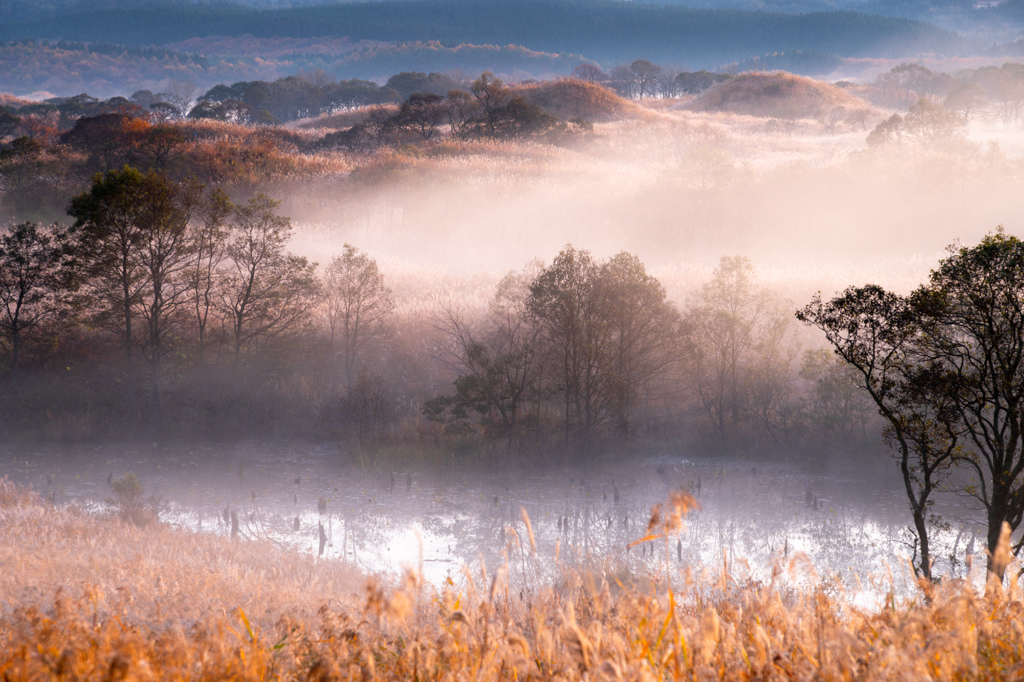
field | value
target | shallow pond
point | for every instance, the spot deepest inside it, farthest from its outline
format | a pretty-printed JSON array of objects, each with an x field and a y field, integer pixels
[{"x": 850, "y": 524}]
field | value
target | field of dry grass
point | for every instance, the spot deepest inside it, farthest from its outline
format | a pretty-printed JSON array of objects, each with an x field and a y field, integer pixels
[
  {"x": 88, "y": 597},
  {"x": 778, "y": 94}
]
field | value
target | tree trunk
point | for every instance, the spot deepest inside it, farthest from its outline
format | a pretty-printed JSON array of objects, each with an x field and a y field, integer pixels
[
  {"x": 15, "y": 351},
  {"x": 129, "y": 359},
  {"x": 997, "y": 514}
]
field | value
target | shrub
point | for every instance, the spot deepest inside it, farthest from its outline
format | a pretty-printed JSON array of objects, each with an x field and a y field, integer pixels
[{"x": 128, "y": 501}]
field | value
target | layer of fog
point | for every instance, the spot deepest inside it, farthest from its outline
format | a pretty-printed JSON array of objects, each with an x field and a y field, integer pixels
[
  {"x": 813, "y": 210},
  {"x": 849, "y": 523}
]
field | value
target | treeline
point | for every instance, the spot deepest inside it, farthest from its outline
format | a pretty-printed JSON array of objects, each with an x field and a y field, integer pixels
[
  {"x": 50, "y": 150},
  {"x": 994, "y": 90},
  {"x": 103, "y": 68},
  {"x": 167, "y": 310},
  {"x": 804, "y": 63},
  {"x": 605, "y": 31},
  {"x": 940, "y": 106},
  {"x": 585, "y": 353},
  {"x": 315, "y": 93},
  {"x": 641, "y": 79},
  {"x": 112, "y": 49},
  {"x": 168, "y": 288}
]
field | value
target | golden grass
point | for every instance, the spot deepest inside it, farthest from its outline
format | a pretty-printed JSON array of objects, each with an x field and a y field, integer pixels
[
  {"x": 568, "y": 98},
  {"x": 778, "y": 94},
  {"x": 93, "y": 598}
]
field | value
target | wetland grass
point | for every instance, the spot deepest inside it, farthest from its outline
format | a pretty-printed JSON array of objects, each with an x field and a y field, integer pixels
[{"x": 88, "y": 597}]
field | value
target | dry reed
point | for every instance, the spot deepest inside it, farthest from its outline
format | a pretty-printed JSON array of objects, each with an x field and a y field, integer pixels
[{"x": 94, "y": 598}]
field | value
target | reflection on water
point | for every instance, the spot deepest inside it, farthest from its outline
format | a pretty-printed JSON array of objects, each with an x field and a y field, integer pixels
[{"x": 851, "y": 524}]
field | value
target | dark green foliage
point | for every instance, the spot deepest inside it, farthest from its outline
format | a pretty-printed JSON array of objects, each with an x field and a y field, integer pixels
[
  {"x": 514, "y": 120},
  {"x": 696, "y": 82}
]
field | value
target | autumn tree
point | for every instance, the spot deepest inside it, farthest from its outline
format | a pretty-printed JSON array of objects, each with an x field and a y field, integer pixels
[
  {"x": 637, "y": 80},
  {"x": 165, "y": 250},
  {"x": 491, "y": 96},
  {"x": 564, "y": 300},
  {"x": 590, "y": 73},
  {"x": 112, "y": 223},
  {"x": 519, "y": 119},
  {"x": 645, "y": 78},
  {"x": 458, "y": 110},
  {"x": 422, "y": 113},
  {"x": 607, "y": 331},
  {"x": 966, "y": 99},
  {"x": 642, "y": 329}
]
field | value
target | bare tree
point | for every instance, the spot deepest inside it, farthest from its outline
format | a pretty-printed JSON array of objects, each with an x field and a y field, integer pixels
[
  {"x": 459, "y": 108},
  {"x": 36, "y": 268},
  {"x": 591, "y": 73},
  {"x": 266, "y": 291},
  {"x": 183, "y": 95},
  {"x": 498, "y": 362},
  {"x": 357, "y": 304},
  {"x": 733, "y": 329},
  {"x": 164, "y": 251},
  {"x": 209, "y": 236}
]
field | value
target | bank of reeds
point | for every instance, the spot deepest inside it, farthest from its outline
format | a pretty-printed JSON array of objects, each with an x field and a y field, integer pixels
[{"x": 86, "y": 597}]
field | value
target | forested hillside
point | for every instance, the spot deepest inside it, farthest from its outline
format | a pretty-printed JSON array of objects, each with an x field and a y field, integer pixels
[
  {"x": 605, "y": 31},
  {"x": 107, "y": 69}
]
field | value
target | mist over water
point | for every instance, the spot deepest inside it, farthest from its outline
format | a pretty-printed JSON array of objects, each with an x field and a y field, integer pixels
[
  {"x": 848, "y": 523},
  {"x": 813, "y": 211}
]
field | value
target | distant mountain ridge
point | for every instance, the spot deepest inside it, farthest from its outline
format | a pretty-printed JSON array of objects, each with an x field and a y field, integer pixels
[{"x": 598, "y": 29}]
